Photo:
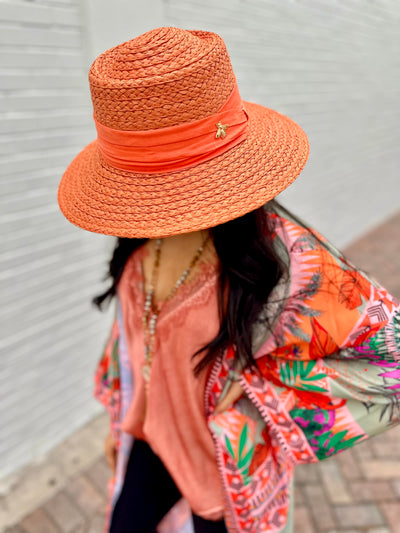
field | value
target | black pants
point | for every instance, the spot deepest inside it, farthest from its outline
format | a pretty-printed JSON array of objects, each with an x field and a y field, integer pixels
[{"x": 148, "y": 494}]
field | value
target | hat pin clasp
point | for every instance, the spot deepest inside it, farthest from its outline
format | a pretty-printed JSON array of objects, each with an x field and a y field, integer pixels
[{"x": 221, "y": 129}]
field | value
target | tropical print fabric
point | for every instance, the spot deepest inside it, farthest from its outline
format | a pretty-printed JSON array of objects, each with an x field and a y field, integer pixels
[
  {"x": 113, "y": 387},
  {"x": 328, "y": 377}
]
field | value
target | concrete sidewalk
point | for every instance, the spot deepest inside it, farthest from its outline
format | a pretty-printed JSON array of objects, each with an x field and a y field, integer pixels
[{"x": 353, "y": 492}]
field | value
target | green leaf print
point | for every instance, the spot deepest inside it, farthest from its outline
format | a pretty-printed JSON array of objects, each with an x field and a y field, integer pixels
[
  {"x": 295, "y": 371},
  {"x": 243, "y": 461},
  {"x": 335, "y": 440},
  {"x": 316, "y": 377},
  {"x": 245, "y": 453},
  {"x": 312, "y": 388},
  {"x": 242, "y": 440},
  {"x": 229, "y": 447},
  {"x": 296, "y": 374},
  {"x": 114, "y": 360},
  {"x": 330, "y": 443}
]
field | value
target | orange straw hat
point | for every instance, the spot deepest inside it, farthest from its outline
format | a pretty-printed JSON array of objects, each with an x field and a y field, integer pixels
[{"x": 177, "y": 149}]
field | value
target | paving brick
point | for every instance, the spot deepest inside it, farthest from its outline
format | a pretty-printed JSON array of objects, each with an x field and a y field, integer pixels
[
  {"x": 299, "y": 499},
  {"x": 387, "y": 448},
  {"x": 319, "y": 507},
  {"x": 361, "y": 515},
  {"x": 303, "y": 521},
  {"x": 334, "y": 483},
  {"x": 392, "y": 515},
  {"x": 82, "y": 528},
  {"x": 307, "y": 473},
  {"x": 100, "y": 425},
  {"x": 378, "y": 530},
  {"x": 35, "y": 484},
  {"x": 13, "y": 529},
  {"x": 97, "y": 524},
  {"x": 381, "y": 469},
  {"x": 85, "y": 495},
  {"x": 363, "y": 451},
  {"x": 99, "y": 473},
  {"x": 369, "y": 491},
  {"x": 38, "y": 522},
  {"x": 64, "y": 513},
  {"x": 343, "y": 531},
  {"x": 349, "y": 464},
  {"x": 396, "y": 488},
  {"x": 76, "y": 456}
]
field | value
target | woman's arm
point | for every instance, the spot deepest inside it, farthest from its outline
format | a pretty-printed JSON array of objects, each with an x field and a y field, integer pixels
[{"x": 107, "y": 378}]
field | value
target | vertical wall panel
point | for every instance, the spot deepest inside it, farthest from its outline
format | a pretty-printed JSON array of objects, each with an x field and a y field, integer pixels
[
  {"x": 332, "y": 66},
  {"x": 51, "y": 337}
]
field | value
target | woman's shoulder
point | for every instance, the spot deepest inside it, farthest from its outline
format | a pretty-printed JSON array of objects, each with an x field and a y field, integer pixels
[
  {"x": 304, "y": 246},
  {"x": 297, "y": 236},
  {"x": 317, "y": 268},
  {"x": 327, "y": 295}
]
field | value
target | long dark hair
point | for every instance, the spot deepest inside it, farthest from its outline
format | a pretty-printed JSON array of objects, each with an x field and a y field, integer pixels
[{"x": 250, "y": 268}]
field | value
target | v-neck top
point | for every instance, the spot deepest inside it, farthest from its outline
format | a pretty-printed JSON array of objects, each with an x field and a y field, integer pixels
[{"x": 175, "y": 424}]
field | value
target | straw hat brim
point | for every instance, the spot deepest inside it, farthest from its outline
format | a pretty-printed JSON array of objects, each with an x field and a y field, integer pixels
[{"x": 97, "y": 197}]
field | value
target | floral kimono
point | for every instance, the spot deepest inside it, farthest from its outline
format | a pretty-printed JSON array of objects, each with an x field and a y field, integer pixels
[{"x": 328, "y": 378}]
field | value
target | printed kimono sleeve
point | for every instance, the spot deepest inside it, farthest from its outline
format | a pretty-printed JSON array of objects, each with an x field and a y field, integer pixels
[
  {"x": 336, "y": 358},
  {"x": 365, "y": 366},
  {"x": 107, "y": 377}
]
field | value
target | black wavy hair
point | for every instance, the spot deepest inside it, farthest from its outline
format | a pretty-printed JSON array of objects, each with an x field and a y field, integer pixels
[{"x": 250, "y": 268}]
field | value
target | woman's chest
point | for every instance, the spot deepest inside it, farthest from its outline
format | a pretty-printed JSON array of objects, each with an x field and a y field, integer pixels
[{"x": 165, "y": 271}]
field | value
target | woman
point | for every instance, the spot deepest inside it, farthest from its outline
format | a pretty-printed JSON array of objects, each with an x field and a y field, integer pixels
[{"x": 243, "y": 343}]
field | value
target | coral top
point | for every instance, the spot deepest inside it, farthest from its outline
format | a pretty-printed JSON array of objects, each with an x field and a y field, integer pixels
[{"x": 175, "y": 423}]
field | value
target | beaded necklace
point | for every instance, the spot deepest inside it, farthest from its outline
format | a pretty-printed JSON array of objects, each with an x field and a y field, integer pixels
[{"x": 151, "y": 312}]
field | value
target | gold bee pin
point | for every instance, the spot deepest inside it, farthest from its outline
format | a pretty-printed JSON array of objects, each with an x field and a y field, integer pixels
[{"x": 221, "y": 129}]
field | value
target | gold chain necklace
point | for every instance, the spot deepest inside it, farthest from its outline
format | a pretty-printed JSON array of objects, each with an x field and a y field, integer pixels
[{"x": 151, "y": 312}]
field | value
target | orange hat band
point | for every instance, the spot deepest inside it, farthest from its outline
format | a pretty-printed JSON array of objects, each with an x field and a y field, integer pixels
[{"x": 175, "y": 147}]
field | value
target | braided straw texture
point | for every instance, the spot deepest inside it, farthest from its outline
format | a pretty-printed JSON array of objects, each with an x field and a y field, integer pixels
[
  {"x": 162, "y": 78},
  {"x": 166, "y": 77}
]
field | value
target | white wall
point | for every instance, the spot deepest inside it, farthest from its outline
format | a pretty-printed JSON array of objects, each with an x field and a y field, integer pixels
[
  {"x": 334, "y": 68},
  {"x": 110, "y": 23},
  {"x": 50, "y": 336},
  {"x": 331, "y": 66}
]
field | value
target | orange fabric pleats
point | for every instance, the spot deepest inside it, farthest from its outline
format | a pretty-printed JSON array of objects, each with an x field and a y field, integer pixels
[{"x": 175, "y": 147}]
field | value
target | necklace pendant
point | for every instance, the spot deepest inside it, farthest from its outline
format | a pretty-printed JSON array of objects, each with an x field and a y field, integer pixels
[{"x": 146, "y": 370}]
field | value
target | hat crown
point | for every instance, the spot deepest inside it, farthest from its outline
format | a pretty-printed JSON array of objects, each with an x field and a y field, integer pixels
[{"x": 165, "y": 77}]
